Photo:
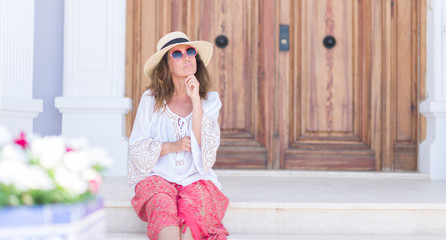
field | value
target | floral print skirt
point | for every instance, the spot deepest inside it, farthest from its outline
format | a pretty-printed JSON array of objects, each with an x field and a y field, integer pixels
[{"x": 201, "y": 206}]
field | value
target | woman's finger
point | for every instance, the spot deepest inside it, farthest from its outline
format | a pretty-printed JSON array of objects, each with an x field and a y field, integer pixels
[{"x": 191, "y": 77}]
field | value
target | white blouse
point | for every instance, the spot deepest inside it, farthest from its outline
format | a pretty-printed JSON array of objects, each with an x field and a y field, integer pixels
[{"x": 151, "y": 129}]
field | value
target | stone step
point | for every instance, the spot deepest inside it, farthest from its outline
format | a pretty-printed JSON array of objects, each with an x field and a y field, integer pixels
[
  {"x": 142, "y": 236},
  {"x": 311, "y": 218},
  {"x": 306, "y": 203}
]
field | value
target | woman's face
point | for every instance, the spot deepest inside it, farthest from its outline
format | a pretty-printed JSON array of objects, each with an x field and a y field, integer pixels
[{"x": 184, "y": 66}]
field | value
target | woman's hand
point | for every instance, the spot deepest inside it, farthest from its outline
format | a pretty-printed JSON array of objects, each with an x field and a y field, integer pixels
[
  {"x": 192, "y": 87},
  {"x": 182, "y": 145}
]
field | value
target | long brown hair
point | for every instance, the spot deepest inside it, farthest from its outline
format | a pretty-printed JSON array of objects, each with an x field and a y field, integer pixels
[{"x": 161, "y": 85}]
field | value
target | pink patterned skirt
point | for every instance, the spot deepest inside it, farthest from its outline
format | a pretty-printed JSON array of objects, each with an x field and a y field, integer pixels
[{"x": 200, "y": 205}]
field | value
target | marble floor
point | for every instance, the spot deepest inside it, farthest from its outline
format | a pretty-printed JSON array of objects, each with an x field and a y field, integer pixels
[
  {"x": 345, "y": 196},
  {"x": 141, "y": 236},
  {"x": 294, "y": 187}
]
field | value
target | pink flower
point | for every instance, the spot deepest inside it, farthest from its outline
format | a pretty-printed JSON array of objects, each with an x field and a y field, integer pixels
[
  {"x": 95, "y": 184},
  {"x": 21, "y": 140}
]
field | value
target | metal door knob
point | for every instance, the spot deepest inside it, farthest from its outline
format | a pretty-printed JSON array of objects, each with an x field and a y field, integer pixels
[
  {"x": 329, "y": 42},
  {"x": 221, "y": 41}
]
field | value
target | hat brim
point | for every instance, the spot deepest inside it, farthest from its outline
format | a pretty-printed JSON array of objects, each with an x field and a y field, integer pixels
[{"x": 204, "y": 48}]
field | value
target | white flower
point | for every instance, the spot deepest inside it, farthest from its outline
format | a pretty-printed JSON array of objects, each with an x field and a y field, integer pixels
[
  {"x": 89, "y": 174},
  {"x": 24, "y": 177},
  {"x": 13, "y": 173},
  {"x": 49, "y": 164},
  {"x": 37, "y": 178},
  {"x": 77, "y": 161},
  {"x": 94, "y": 179},
  {"x": 5, "y": 136},
  {"x": 70, "y": 180},
  {"x": 77, "y": 143},
  {"x": 13, "y": 152},
  {"x": 49, "y": 150},
  {"x": 99, "y": 156}
]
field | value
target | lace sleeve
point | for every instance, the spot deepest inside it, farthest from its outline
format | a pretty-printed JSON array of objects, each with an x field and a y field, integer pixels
[
  {"x": 205, "y": 155},
  {"x": 210, "y": 141},
  {"x": 144, "y": 150},
  {"x": 143, "y": 155}
]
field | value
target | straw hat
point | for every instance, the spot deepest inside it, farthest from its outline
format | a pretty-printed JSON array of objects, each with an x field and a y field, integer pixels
[{"x": 173, "y": 39}]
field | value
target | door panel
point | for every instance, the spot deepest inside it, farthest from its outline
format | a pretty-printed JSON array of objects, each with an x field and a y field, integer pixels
[
  {"x": 405, "y": 84},
  {"x": 234, "y": 71},
  {"x": 330, "y": 102},
  {"x": 327, "y": 76}
]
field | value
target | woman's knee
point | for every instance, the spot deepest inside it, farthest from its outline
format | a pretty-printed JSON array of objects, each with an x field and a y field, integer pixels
[
  {"x": 162, "y": 202},
  {"x": 202, "y": 198},
  {"x": 169, "y": 233},
  {"x": 185, "y": 233}
]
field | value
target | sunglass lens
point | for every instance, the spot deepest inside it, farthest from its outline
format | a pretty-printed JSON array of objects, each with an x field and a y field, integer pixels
[
  {"x": 177, "y": 55},
  {"x": 191, "y": 52}
]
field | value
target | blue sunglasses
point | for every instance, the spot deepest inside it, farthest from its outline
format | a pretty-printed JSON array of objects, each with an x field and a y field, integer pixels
[{"x": 177, "y": 54}]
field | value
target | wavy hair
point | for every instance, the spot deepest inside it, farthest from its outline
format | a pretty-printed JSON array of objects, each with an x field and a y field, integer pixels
[{"x": 161, "y": 84}]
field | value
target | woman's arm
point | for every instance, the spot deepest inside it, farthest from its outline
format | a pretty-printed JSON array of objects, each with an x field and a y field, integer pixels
[
  {"x": 192, "y": 90},
  {"x": 196, "y": 119}
]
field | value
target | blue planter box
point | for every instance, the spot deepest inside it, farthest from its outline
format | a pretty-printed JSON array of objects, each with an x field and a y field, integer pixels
[{"x": 85, "y": 220}]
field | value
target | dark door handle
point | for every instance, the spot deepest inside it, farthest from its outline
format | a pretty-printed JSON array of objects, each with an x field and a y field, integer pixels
[
  {"x": 221, "y": 41},
  {"x": 329, "y": 42}
]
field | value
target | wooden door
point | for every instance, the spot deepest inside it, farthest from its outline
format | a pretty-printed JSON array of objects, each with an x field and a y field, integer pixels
[
  {"x": 354, "y": 106},
  {"x": 330, "y": 98},
  {"x": 351, "y": 107}
]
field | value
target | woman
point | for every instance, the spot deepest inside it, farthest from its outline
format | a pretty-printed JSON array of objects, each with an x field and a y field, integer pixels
[{"x": 174, "y": 142}]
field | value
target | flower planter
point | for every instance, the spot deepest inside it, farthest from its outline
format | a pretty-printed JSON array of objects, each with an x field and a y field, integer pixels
[{"x": 84, "y": 220}]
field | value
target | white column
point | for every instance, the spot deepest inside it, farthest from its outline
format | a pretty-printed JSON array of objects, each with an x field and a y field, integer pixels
[
  {"x": 93, "y": 102},
  {"x": 17, "y": 107},
  {"x": 433, "y": 149}
]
